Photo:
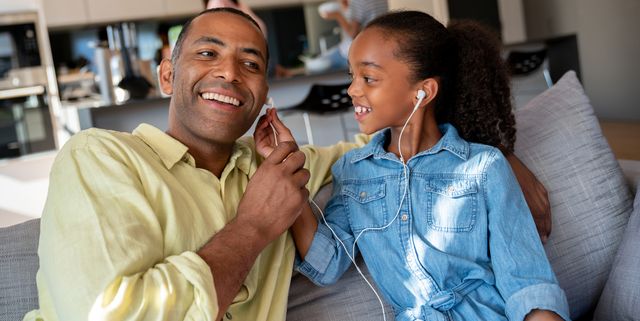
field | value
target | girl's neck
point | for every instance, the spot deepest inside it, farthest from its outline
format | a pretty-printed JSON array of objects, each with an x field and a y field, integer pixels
[{"x": 421, "y": 133}]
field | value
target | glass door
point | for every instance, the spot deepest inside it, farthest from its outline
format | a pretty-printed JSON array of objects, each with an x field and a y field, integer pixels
[{"x": 25, "y": 122}]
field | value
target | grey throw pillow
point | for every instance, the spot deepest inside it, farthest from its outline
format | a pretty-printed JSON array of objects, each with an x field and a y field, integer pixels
[
  {"x": 620, "y": 299},
  {"x": 18, "y": 266},
  {"x": 560, "y": 140}
]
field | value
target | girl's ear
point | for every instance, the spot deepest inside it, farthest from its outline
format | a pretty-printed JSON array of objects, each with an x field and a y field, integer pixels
[
  {"x": 165, "y": 75},
  {"x": 430, "y": 86}
]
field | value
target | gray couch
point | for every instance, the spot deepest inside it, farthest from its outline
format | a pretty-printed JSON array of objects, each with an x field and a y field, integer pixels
[{"x": 594, "y": 247}]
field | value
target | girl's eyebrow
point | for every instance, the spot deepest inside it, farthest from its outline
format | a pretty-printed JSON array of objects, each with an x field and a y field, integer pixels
[{"x": 370, "y": 64}]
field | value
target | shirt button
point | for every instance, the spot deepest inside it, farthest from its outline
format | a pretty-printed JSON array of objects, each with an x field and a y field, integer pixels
[
  {"x": 363, "y": 194},
  {"x": 404, "y": 217},
  {"x": 451, "y": 189},
  {"x": 228, "y": 315}
]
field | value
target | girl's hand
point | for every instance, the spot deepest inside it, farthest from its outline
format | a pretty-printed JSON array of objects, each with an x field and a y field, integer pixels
[{"x": 264, "y": 136}]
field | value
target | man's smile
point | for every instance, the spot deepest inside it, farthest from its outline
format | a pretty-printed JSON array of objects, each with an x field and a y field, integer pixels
[{"x": 221, "y": 98}]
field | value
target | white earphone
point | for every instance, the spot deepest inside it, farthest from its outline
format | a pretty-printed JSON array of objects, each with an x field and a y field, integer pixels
[{"x": 421, "y": 95}]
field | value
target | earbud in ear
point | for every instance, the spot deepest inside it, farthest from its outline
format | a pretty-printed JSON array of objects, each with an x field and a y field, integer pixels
[{"x": 420, "y": 96}]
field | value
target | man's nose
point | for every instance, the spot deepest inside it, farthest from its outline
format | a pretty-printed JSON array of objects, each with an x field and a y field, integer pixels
[{"x": 227, "y": 70}]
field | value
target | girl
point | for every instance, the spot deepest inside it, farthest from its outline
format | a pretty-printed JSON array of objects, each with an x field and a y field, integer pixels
[{"x": 440, "y": 222}]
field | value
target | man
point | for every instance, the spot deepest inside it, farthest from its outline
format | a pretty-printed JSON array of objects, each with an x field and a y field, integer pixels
[{"x": 187, "y": 224}]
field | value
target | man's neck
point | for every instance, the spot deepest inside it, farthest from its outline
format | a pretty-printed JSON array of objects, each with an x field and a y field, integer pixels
[{"x": 212, "y": 157}]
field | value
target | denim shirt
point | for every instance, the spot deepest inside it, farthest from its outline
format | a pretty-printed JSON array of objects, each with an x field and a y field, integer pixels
[{"x": 462, "y": 245}]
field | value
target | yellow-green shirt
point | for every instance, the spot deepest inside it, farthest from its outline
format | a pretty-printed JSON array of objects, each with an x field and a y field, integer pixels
[{"x": 124, "y": 216}]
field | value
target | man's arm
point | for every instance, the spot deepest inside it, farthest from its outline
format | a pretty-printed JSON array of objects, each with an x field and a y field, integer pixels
[
  {"x": 535, "y": 194},
  {"x": 271, "y": 203}
]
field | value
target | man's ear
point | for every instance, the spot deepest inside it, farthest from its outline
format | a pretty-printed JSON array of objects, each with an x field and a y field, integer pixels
[{"x": 165, "y": 75}]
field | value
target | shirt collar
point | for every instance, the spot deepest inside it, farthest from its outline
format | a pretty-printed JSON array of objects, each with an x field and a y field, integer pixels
[
  {"x": 171, "y": 151},
  {"x": 450, "y": 141}
]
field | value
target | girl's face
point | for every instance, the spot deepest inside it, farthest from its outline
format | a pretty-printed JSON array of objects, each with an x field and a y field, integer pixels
[{"x": 380, "y": 89}]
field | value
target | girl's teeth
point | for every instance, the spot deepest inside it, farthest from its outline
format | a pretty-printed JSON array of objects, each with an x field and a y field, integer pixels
[{"x": 362, "y": 109}]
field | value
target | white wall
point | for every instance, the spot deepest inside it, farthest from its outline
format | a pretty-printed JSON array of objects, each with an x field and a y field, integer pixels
[
  {"x": 608, "y": 44},
  {"x": 512, "y": 20}
]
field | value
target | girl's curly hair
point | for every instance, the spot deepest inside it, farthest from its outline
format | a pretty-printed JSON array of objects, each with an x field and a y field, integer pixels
[{"x": 475, "y": 96}]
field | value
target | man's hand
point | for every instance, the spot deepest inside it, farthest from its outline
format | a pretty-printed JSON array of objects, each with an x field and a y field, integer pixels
[
  {"x": 535, "y": 194},
  {"x": 276, "y": 192}
]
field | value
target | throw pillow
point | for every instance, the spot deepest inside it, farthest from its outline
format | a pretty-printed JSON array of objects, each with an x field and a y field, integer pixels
[
  {"x": 18, "y": 267},
  {"x": 620, "y": 299},
  {"x": 560, "y": 140}
]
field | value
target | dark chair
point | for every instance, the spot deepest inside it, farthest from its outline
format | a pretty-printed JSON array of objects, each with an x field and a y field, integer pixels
[
  {"x": 522, "y": 63},
  {"x": 322, "y": 100}
]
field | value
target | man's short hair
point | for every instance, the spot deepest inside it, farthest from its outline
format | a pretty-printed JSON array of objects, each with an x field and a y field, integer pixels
[{"x": 187, "y": 25}]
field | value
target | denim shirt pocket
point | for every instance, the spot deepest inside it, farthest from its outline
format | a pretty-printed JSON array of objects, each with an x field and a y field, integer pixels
[
  {"x": 365, "y": 202},
  {"x": 453, "y": 204}
]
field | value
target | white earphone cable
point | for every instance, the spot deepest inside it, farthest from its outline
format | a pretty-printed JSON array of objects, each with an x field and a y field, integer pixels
[{"x": 404, "y": 194}]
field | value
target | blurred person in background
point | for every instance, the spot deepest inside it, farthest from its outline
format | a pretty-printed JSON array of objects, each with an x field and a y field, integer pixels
[
  {"x": 210, "y": 4},
  {"x": 351, "y": 16}
]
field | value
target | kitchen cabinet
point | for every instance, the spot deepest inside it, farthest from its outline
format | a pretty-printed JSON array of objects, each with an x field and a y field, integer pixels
[
  {"x": 276, "y": 3},
  {"x": 65, "y": 12},
  {"x": 122, "y": 10},
  {"x": 78, "y": 12}
]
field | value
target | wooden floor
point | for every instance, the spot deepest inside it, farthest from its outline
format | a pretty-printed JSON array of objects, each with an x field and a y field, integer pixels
[{"x": 623, "y": 137}]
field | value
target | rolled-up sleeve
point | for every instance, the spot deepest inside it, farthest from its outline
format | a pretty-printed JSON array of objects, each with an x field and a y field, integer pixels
[
  {"x": 102, "y": 249},
  {"x": 327, "y": 259},
  {"x": 523, "y": 273}
]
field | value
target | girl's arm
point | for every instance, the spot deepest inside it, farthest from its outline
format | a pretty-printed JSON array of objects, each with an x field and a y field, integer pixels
[
  {"x": 523, "y": 275},
  {"x": 542, "y": 315},
  {"x": 303, "y": 230},
  {"x": 266, "y": 139}
]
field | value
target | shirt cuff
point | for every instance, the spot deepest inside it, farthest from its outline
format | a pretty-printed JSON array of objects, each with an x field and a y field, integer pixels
[
  {"x": 319, "y": 255},
  {"x": 197, "y": 272},
  {"x": 546, "y": 296}
]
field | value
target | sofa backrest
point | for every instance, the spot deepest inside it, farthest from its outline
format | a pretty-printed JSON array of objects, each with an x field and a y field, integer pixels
[{"x": 18, "y": 267}]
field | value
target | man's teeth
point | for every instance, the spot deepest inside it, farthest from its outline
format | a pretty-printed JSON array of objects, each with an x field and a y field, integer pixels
[
  {"x": 221, "y": 98},
  {"x": 362, "y": 109}
]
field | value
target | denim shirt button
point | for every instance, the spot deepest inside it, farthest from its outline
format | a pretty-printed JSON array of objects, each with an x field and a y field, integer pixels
[
  {"x": 363, "y": 195},
  {"x": 451, "y": 189},
  {"x": 404, "y": 217}
]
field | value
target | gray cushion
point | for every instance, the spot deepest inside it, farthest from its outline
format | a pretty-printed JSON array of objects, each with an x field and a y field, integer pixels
[
  {"x": 350, "y": 299},
  {"x": 620, "y": 299},
  {"x": 560, "y": 140},
  {"x": 18, "y": 267}
]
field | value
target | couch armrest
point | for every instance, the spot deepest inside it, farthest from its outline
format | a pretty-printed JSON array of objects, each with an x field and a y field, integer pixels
[
  {"x": 631, "y": 171},
  {"x": 18, "y": 266}
]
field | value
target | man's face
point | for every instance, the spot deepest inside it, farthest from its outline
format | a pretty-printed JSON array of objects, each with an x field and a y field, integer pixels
[{"x": 218, "y": 83}]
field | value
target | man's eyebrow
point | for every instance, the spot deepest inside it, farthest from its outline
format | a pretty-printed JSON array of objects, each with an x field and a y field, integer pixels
[
  {"x": 216, "y": 41},
  {"x": 255, "y": 52}
]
